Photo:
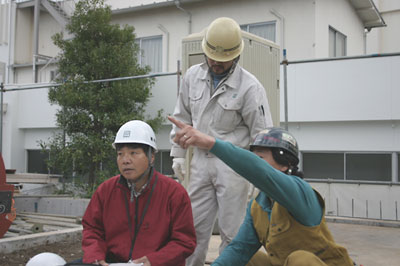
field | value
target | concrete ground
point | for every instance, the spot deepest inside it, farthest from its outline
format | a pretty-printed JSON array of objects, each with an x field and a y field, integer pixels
[{"x": 367, "y": 245}]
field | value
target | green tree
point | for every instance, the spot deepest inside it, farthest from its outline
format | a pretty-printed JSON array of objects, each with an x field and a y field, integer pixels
[{"x": 91, "y": 112}]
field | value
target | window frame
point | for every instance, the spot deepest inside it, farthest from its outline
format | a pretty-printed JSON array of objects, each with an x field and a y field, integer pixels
[
  {"x": 345, "y": 155},
  {"x": 265, "y": 23},
  {"x": 335, "y": 50},
  {"x": 140, "y": 56}
]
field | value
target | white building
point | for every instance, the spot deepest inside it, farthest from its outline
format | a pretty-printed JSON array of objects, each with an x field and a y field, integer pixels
[{"x": 343, "y": 112}]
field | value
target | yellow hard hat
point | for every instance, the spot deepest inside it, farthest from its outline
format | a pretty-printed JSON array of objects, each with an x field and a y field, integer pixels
[{"x": 223, "y": 40}]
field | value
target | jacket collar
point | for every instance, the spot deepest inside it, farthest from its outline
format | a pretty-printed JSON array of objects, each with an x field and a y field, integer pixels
[
  {"x": 124, "y": 182},
  {"x": 233, "y": 81}
]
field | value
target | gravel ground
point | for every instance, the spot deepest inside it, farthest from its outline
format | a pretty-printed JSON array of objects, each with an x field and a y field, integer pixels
[{"x": 68, "y": 250}]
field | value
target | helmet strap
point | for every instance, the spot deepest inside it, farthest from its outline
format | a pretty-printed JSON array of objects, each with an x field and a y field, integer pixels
[{"x": 145, "y": 173}]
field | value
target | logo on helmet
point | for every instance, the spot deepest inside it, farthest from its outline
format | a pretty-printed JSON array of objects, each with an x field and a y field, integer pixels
[
  {"x": 127, "y": 134},
  {"x": 272, "y": 139},
  {"x": 289, "y": 138}
]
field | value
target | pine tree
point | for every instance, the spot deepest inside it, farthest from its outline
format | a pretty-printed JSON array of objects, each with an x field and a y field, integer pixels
[{"x": 91, "y": 112}]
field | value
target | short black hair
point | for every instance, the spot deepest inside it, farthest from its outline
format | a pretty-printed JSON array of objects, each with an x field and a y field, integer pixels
[{"x": 145, "y": 148}]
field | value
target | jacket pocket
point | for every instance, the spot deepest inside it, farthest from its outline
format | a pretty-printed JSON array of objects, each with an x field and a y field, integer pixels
[
  {"x": 227, "y": 114},
  {"x": 195, "y": 97},
  {"x": 279, "y": 228}
]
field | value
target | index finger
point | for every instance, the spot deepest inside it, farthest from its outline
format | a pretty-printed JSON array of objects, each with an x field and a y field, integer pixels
[{"x": 176, "y": 122}]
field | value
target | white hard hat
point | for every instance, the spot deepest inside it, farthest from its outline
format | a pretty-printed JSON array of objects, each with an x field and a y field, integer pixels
[
  {"x": 136, "y": 131},
  {"x": 223, "y": 40},
  {"x": 46, "y": 259}
]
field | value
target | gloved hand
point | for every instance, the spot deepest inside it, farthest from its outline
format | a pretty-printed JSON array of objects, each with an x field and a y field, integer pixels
[{"x": 178, "y": 165}]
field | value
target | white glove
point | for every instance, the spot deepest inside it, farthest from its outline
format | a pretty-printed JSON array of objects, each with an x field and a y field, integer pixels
[{"x": 178, "y": 165}]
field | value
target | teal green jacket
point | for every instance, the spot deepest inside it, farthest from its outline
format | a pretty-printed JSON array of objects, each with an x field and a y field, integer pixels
[{"x": 292, "y": 192}]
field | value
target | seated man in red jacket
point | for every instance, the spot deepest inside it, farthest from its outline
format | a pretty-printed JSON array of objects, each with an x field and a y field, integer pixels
[{"x": 140, "y": 215}]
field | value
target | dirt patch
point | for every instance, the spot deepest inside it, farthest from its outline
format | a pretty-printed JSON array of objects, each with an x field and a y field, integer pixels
[{"x": 68, "y": 250}]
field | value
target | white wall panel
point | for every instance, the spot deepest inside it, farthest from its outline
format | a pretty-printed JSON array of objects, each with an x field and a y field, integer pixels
[
  {"x": 164, "y": 94},
  {"x": 360, "y": 200},
  {"x": 345, "y": 90},
  {"x": 33, "y": 136},
  {"x": 35, "y": 109},
  {"x": 378, "y": 136}
]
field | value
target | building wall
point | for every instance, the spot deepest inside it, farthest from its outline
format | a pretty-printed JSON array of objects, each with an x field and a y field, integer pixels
[
  {"x": 346, "y": 105},
  {"x": 304, "y": 21},
  {"x": 362, "y": 136},
  {"x": 360, "y": 200},
  {"x": 48, "y": 26},
  {"x": 389, "y": 36},
  {"x": 298, "y": 15},
  {"x": 386, "y": 39},
  {"x": 4, "y": 23},
  {"x": 342, "y": 17},
  {"x": 23, "y": 37},
  {"x": 345, "y": 90}
]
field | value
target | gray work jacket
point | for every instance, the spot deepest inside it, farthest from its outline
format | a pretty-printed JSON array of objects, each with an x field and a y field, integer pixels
[{"x": 236, "y": 111}]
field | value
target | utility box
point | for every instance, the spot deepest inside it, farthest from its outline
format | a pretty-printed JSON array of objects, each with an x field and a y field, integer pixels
[{"x": 260, "y": 57}]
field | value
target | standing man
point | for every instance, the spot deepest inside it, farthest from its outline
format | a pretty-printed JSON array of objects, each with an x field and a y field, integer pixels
[
  {"x": 223, "y": 100},
  {"x": 140, "y": 214}
]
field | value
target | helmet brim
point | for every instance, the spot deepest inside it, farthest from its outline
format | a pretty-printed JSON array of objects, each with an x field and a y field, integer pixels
[{"x": 221, "y": 57}]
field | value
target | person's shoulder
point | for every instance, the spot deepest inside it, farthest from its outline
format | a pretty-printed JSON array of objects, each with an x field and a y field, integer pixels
[
  {"x": 106, "y": 188},
  {"x": 111, "y": 182},
  {"x": 197, "y": 69},
  {"x": 247, "y": 76}
]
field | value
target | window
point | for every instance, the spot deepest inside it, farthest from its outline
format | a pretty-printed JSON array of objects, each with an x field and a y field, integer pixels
[
  {"x": 163, "y": 162},
  {"x": 348, "y": 166},
  {"x": 323, "y": 165},
  {"x": 150, "y": 53},
  {"x": 37, "y": 162},
  {"x": 398, "y": 167},
  {"x": 371, "y": 167},
  {"x": 53, "y": 75},
  {"x": 265, "y": 30},
  {"x": 337, "y": 43}
]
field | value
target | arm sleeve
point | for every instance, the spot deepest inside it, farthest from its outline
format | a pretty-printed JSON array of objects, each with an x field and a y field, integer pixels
[
  {"x": 296, "y": 195},
  {"x": 93, "y": 241},
  {"x": 182, "y": 241},
  {"x": 243, "y": 246},
  {"x": 182, "y": 113},
  {"x": 256, "y": 113}
]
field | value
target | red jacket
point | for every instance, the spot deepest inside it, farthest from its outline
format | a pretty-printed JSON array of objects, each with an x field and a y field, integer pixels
[{"x": 166, "y": 235}]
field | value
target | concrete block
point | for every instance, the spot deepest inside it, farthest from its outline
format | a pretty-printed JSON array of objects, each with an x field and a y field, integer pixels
[{"x": 11, "y": 244}]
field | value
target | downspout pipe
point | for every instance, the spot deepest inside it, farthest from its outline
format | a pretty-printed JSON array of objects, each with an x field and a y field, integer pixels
[
  {"x": 284, "y": 63},
  {"x": 178, "y": 5},
  {"x": 35, "y": 38},
  {"x": 8, "y": 68},
  {"x": 366, "y": 31},
  {"x": 163, "y": 29},
  {"x": 282, "y": 19}
]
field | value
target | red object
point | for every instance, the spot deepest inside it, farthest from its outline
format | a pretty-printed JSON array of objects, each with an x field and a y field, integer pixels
[
  {"x": 6, "y": 217},
  {"x": 166, "y": 236}
]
